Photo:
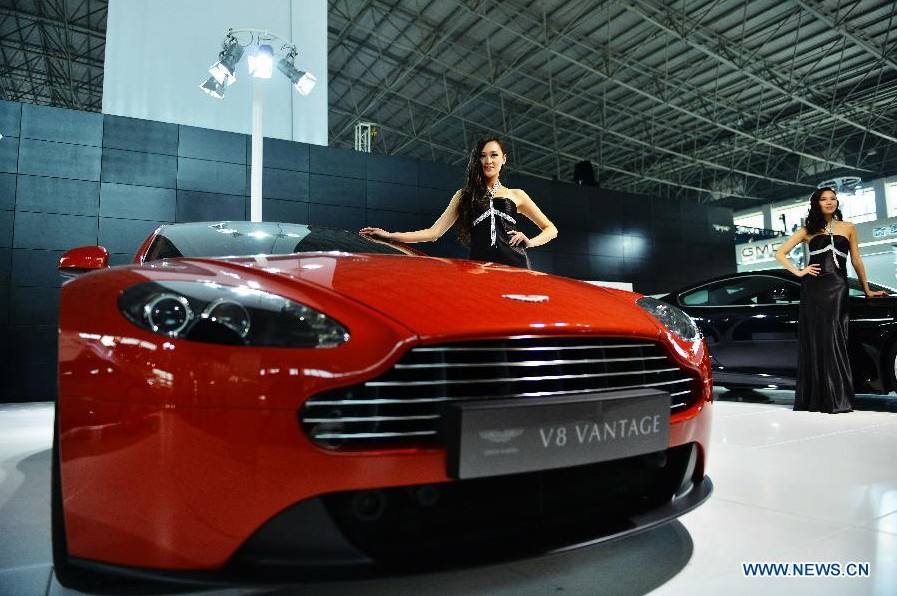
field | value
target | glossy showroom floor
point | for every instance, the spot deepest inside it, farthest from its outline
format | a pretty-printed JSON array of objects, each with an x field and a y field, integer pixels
[{"x": 791, "y": 487}]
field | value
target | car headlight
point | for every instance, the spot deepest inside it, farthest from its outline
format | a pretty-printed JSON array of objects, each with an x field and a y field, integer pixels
[
  {"x": 210, "y": 312},
  {"x": 674, "y": 319}
]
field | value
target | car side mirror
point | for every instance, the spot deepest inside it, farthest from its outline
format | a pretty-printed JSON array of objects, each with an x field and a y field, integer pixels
[{"x": 80, "y": 260}]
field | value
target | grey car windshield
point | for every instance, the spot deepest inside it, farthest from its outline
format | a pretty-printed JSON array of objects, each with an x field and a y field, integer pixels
[{"x": 241, "y": 238}]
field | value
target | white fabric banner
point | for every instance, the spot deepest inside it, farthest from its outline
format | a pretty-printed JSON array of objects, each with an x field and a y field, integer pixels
[{"x": 158, "y": 52}]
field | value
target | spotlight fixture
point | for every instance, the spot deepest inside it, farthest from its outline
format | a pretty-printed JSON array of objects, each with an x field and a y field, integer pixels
[
  {"x": 303, "y": 81},
  {"x": 261, "y": 56},
  {"x": 214, "y": 87},
  {"x": 224, "y": 70},
  {"x": 261, "y": 62}
]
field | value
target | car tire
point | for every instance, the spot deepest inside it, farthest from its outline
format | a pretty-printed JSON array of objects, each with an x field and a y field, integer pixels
[{"x": 66, "y": 574}]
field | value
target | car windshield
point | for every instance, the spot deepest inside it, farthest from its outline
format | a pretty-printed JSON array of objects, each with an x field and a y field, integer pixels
[{"x": 243, "y": 238}]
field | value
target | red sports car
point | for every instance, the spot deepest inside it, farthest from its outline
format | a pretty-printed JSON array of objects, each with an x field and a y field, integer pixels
[{"x": 314, "y": 402}]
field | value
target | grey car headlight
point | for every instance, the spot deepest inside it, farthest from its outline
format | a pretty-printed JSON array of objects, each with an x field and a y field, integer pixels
[
  {"x": 674, "y": 319},
  {"x": 233, "y": 315}
]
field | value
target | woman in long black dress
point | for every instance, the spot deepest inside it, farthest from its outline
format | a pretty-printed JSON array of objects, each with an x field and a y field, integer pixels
[
  {"x": 824, "y": 379},
  {"x": 485, "y": 213}
]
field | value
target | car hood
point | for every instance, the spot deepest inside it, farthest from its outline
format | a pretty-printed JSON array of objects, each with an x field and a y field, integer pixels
[{"x": 439, "y": 297}]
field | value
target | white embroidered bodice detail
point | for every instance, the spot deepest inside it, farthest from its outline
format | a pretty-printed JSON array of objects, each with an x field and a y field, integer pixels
[
  {"x": 830, "y": 248},
  {"x": 492, "y": 212}
]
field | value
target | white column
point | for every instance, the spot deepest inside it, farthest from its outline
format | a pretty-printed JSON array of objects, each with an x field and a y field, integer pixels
[{"x": 255, "y": 177}]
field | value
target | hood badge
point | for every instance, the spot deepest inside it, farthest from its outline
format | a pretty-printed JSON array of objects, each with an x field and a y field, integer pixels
[{"x": 526, "y": 297}]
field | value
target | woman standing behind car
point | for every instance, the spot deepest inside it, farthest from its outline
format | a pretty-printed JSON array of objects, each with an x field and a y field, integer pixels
[
  {"x": 485, "y": 212},
  {"x": 824, "y": 378}
]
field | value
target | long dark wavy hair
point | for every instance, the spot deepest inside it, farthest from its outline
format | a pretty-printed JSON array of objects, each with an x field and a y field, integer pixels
[
  {"x": 474, "y": 188},
  {"x": 815, "y": 219}
]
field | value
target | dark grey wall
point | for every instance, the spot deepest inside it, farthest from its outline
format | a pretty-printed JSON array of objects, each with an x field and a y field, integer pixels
[{"x": 70, "y": 178}]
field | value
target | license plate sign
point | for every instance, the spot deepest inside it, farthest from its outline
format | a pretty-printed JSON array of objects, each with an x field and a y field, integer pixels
[{"x": 497, "y": 437}]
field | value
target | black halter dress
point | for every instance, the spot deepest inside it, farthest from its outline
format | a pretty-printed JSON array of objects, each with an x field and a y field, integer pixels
[
  {"x": 493, "y": 220},
  {"x": 824, "y": 378}
]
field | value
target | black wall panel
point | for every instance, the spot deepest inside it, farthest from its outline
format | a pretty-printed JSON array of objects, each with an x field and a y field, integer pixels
[
  {"x": 393, "y": 220},
  {"x": 33, "y": 306},
  {"x": 34, "y": 344},
  {"x": 605, "y": 268},
  {"x": 127, "y": 201},
  {"x": 211, "y": 176},
  {"x": 10, "y": 118},
  {"x": 540, "y": 260},
  {"x": 35, "y": 268},
  {"x": 65, "y": 126},
  {"x": 140, "y": 169},
  {"x": 5, "y": 266},
  {"x": 53, "y": 231},
  {"x": 72, "y": 178},
  {"x": 204, "y": 206},
  {"x": 337, "y": 162},
  {"x": 134, "y": 134},
  {"x": 336, "y": 190},
  {"x": 288, "y": 185},
  {"x": 58, "y": 160},
  {"x": 4, "y": 321},
  {"x": 606, "y": 245},
  {"x": 573, "y": 242},
  {"x": 392, "y": 197},
  {"x": 9, "y": 154},
  {"x": 58, "y": 195},
  {"x": 433, "y": 201},
  {"x": 284, "y": 155},
  {"x": 400, "y": 170},
  {"x": 6, "y": 227},
  {"x": 348, "y": 218},
  {"x": 7, "y": 191},
  {"x": 212, "y": 145},
  {"x": 286, "y": 211}
]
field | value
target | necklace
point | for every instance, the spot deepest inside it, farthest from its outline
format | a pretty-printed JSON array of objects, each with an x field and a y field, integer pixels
[
  {"x": 490, "y": 193},
  {"x": 830, "y": 230}
]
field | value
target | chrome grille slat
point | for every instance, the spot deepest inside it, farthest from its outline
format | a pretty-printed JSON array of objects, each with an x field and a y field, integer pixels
[
  {"x": 524, "y": 363},
  {"x": 514, "y": 379},
  {"x": 362, "y": 402},
  {"x": 404, "y": 405},
  {"x": 371, "y": 419},
  {"x": 533, "y": 349},
  {"x": 344, "y": 436}
]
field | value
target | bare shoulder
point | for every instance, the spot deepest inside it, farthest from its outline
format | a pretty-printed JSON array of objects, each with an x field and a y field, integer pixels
[{"x": 519, "y": 195}]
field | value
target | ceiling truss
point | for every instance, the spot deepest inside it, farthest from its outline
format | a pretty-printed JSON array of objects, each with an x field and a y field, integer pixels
[{"x": 735, "y": 102}]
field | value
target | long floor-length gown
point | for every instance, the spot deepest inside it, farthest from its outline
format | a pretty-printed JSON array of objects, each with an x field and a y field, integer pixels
[
  {"x": 493, "y": 219},
  {"x": 824, "y": 379}
]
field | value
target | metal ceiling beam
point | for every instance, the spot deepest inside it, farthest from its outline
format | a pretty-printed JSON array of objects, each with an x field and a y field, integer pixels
[
  {"x": 587, "y": 124},
  {"x": 29, "y": 16},
  {"x": 403, "y": 70},
  {"x": 858, "y": 39},
  {"x": 502, "y": 23},
  {"x": 717, "y": 52}
]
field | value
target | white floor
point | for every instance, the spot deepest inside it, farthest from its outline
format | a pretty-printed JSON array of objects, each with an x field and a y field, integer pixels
[{"x": 791, "y": 488}]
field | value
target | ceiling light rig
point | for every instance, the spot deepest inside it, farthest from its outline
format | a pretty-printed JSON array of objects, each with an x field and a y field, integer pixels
[{"x": 260, "y": 59}]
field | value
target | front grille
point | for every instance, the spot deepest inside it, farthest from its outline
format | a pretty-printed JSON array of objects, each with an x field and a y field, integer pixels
[{"x": 405, "y": 405}]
